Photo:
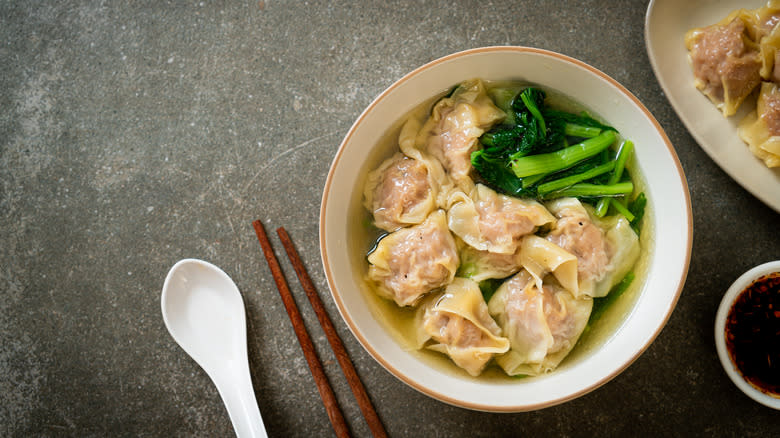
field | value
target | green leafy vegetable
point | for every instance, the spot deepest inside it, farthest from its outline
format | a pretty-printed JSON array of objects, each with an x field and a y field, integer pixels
[
  {"x": 624, "y": 153},
  {"x": 506, "y": 139},
  {"x": 493, "y": 167},
  {"x": 545, "y": 153},
  {"x": 637, "y": 208},
  {"x": 532, "y": 99},
  {"x": 488, "y": 287},
  {"x": 583, "y": 119}
]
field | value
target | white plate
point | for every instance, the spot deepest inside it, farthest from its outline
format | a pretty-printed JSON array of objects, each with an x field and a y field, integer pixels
[{"x": 665, "y": 25}]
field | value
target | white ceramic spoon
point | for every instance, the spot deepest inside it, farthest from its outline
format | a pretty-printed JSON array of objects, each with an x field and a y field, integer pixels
[{"x": 203, "y": 310}]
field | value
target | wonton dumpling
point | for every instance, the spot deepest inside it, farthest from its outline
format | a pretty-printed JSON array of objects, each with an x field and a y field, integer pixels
[
  {"x": 725, "y": 61},
  {"x": 407, "y": 139},
  {"x": 451, "y": 132},
  {"x": 482, "y": 265},
  {"x": 399, "y": 193},
  {"x": 770, "y": 56},
  {"x": 458, "y": 323},
  {"x": 761, "y": 128},
  {"x": 765, "y": 31},
  {"x": 542, "y": 325},
  {"x": 606, "y": 248},
  {"x": 413, "y": 261},
  {"x": 493, "y": 222},
  {"x": 762, "y": 21}
]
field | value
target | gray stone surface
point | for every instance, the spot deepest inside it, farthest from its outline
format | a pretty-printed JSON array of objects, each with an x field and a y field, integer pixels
[{"x": 134, "y": 134}]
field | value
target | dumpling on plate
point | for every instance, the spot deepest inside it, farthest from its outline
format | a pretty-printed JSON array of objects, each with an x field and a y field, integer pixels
[
  {"x": 457, "y": 323},
  {"x": 762, "y": 21},
  {"x": 493, "y": 222},
  {"x": 770, "y": 56},
  {"x": 410, "y": 262},
  {"x": 399, "y": 192},
  {"x": 606, "y": 248},
  {"x": 542, "y": 325},
  {"x": 761, "y": 128},
  {"x": 763, "y": 29},
  {"x": 726, "y": 61}
]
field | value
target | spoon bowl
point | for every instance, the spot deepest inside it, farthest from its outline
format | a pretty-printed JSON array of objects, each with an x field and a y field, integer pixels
[{"x": 204, "y": 313}]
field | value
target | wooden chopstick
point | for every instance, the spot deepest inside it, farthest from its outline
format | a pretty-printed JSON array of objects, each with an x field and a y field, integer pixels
[
  {"x": 317, "y": 371},
  {"x": 374, "y": 423}
]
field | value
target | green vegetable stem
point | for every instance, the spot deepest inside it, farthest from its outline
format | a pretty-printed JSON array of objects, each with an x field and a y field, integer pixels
[
  {"x": 546, "y": 153},
  {"x": 625, "y": 151},
  {"x": 564, "y": 158}
]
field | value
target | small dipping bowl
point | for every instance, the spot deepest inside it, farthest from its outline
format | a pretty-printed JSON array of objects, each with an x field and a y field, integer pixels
[{"x": 731, "y": 355}]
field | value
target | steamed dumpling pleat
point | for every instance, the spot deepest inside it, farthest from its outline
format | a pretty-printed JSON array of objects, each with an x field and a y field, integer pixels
[
  {"x": 542, "y": 325},
  {"x": 762, "y": 21},
  {"x": 770, "y": 56},
  {"x": 407, "y": 141},
  {"x": 452, "y": 131},
  {"x": 606, "y": 248},
  {"x": 400, "y": 192},
  {"x": 541, "y": 257},
  {"x": 483, "y": 265},
  {"x": 765, "y": 31},
  {"x": 493, "y": 222},
  {"x": 457, "y": 323},
  {"x": 761, "y": 128},
  {"x": 413, "y": 261}
]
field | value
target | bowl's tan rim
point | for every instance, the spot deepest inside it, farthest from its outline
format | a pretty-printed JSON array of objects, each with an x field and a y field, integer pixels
[{"x": 484, "y": 407}]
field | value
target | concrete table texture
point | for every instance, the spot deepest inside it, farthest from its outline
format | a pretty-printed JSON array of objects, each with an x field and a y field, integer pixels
[{"x": 135, "y": 134}]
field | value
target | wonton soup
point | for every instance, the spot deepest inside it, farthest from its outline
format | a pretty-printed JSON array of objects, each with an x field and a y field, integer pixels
[{"x": 500, "y": 230}]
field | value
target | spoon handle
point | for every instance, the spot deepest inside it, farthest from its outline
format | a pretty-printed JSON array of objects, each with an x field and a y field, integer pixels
[{"x": 235, "y": 388}]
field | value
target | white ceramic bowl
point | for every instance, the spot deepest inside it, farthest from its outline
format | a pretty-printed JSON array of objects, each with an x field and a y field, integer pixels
[
  {"x": 721, "y": 317},
  {"x": 637, "y": 321}
]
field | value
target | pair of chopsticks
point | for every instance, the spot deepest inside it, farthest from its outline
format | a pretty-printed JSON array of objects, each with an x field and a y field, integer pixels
[{"x": 317, "y": 371}]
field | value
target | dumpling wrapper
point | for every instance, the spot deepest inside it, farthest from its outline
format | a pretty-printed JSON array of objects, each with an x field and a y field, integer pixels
[
  {"x": 726, "y": 62},
  {"x": 769, "y": 47},
  {"x": 413, "y": 261},
  {"x": 439, "y": 178},
  {"x": 452, "y": 131},
  {"x": 606, "y": 248},
  {"x": 541, "y": 257},
  {"x": 457, "y": 323},
  {"x": 489, "y": 221},
  {"x": 761, "y": 128},
  {"x": 542, "y": 325},
  {"x": 399, "y": 192},
  {"x": 483, "y": 265},
  {"x": 760, "y": 22}
]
